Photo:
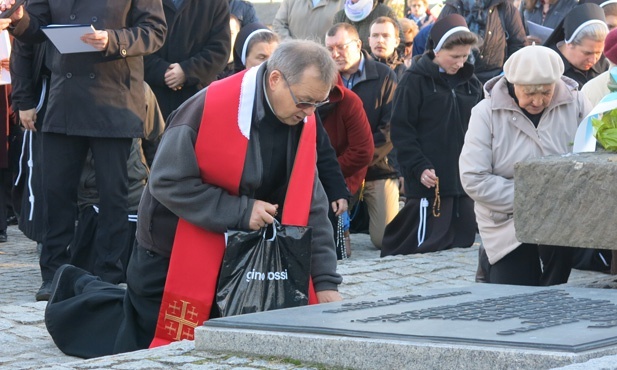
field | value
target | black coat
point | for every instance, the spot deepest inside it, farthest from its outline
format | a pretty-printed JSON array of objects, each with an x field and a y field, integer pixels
[
  {"x": 244, "y": 11},
  {"x": 429, "y": 124},
  {"x": 27, "y": 71},
  {"x": 503, "y": 33},
  {"x": 97, "y": 94},
  {"x": 199, "y": 39},
  {"x": 27, "y": 74},
  {"x": 376, "y": 90}
]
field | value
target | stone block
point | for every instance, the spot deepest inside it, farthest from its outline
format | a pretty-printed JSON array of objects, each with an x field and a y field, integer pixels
[
  {"x": 568, "y": 200},
  {"x": 475, "y": 327}
]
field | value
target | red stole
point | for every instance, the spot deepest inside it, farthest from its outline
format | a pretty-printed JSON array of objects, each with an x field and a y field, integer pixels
[{"x": 197, "y": 253}]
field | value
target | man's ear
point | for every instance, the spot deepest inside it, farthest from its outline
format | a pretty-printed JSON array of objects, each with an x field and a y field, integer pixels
[{"x": 274, "y": 78}]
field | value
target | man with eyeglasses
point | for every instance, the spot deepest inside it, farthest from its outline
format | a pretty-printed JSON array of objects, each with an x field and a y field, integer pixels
[
  {"x": 237, "y": 155},
  {"x": 409, "y": 30},
  {"x": 374, "y": 83},
  {"x": 383, "y": 40}
]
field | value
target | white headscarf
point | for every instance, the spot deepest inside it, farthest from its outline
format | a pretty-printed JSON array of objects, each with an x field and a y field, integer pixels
[{"x": 358, "y": 11}]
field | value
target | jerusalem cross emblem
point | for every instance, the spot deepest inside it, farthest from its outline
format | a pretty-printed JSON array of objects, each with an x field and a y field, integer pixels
[{"x": 180, "y": 320}]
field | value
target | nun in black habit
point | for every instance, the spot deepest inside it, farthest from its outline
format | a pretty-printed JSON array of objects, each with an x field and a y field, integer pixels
[{"x": 579, "y": 40}]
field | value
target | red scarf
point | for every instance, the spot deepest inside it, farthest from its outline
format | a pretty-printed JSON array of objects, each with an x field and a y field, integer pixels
[{"x": 197, "y": 253}]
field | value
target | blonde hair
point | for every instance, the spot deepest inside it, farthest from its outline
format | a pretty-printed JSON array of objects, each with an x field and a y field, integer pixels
[{"x": 409, "y": 28}]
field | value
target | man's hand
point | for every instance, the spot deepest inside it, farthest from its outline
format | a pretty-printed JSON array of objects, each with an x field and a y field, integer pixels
[
  {"x": 98, "y": 39},
  {"x": 339, "y": 206},
  {"x": 174, "y": 77},
  {"x": 262, "y": 214},
  {"x": 4, "y": 63},
  {"x": 530, "y": 40},
  {"x": 28, "y": 118},
  {"x": 15, "y": 17},
  {"x": 4, "y": 23},
  {"x": 326, "y": 296}
]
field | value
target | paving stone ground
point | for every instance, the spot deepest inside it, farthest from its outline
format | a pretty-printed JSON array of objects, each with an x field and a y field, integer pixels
[{"x": 25, "y": 343}]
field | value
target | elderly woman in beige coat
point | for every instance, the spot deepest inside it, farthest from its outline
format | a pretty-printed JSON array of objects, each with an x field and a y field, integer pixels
[{"x": 529, "y": 112}]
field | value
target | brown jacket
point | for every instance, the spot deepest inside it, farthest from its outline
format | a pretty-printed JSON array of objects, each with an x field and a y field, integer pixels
[{"x": 500, "y": 135}]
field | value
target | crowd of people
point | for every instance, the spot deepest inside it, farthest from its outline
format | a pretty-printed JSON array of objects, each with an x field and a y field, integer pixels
[{"x": 190, "y": 118}]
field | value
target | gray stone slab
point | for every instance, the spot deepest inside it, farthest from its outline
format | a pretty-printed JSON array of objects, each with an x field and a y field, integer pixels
[
  {"x": 567, "y": 200},
  {"x": 479, "y": 326}
]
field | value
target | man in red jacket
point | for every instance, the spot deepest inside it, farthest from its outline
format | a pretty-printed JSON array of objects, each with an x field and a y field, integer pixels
[
  {"x": 374, "y": 83},
  {"x": 350, "y": 135}
]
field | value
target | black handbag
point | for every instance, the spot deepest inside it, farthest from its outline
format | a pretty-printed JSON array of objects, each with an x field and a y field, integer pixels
[{"x": 264, "y": 270}]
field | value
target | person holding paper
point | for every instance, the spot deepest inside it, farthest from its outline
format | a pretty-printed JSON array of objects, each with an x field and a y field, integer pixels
[
  {"x": 544, "y": 13},
  {"x": 96, "y": 102}
]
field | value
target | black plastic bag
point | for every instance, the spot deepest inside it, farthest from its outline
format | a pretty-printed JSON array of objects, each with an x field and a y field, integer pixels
[{"x": 265, "y": 270}]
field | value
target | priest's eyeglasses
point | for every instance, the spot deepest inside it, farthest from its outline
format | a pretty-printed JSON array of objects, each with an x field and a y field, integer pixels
[{"x": 303, "y": 104}]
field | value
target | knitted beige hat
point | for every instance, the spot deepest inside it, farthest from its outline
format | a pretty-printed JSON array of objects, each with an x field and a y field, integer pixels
[{"x": 533, "y": 65}]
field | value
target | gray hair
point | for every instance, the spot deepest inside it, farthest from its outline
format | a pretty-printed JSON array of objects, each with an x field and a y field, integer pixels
[
  {"x": 593, "y": 31},
  {"x": 533, "y": 89},
  {"x": 293, "y": 57}
]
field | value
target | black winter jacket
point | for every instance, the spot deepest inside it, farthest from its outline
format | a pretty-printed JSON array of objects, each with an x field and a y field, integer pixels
[
  {"x": 244, "y": 11},
  {"x": 429, "y": 124},
  {"x": 376, "y": 89},
  {"x": 27, "y": 66},
  {"x": 503, "y": 33},
  {"x": 97, "y": 94},
  {"x": 199, "y": 39}
]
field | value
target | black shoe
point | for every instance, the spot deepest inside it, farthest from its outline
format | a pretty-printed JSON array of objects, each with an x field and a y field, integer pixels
[
  {"x": 3, "y": 237},
  {"x": 44, "y": 291},
  {"x": 63, "y": 285}
]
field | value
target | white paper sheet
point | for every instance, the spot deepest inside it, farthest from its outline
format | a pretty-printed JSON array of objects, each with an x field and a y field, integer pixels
[
  {"x": 539, "y": 31},
  {"x": 66, "y": 37}
]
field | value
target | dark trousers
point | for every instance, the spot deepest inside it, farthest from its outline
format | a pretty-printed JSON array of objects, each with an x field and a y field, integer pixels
[
  {"x": 102, "y": 319},
  {"x": 62, "y": 162},
  {"x": 532, "y": 265},
  {"x": 82, "y": 252}
]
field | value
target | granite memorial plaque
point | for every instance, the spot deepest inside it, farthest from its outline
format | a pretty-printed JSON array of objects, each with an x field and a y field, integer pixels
[{"x": 538, "y": 318}]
